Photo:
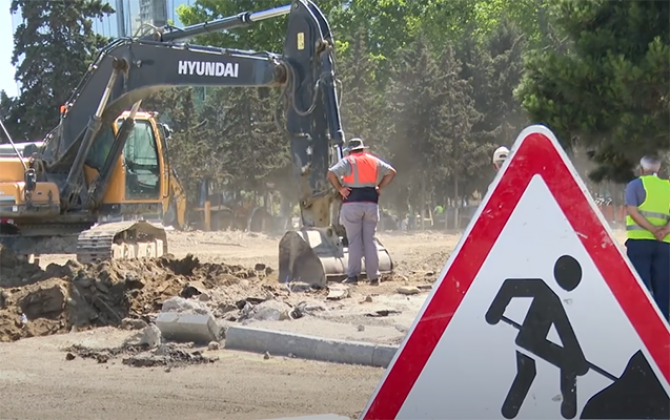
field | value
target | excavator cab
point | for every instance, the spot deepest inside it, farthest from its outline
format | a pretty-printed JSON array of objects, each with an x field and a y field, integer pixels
[{"x": 138, "y": 185}]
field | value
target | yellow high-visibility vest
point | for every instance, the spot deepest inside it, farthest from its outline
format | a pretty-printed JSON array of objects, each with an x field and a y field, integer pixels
[{"x": 656, "y": 208}]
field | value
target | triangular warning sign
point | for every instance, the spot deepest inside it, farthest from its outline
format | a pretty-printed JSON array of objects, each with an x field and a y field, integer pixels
[{"x": 536, "y": 258}]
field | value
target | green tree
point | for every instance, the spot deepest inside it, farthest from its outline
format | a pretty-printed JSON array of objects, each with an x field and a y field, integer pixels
[
  {"x": 459, "y": 154},
  {"x": 360, "y": 104},
  {"x": 609, "y": 91},
  {"x": 477, "y": 20},
  {"x": 414, "y": 123},
  {"x": 186, "y": 150},
  {"x": 53, "y": 47},
  {"x": 477, "y": 68},
  {"x": 10, "y": 113},
  {"x": 503, "y": 114}
]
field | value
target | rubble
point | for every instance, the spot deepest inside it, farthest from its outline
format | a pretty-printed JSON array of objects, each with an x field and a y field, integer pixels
[
  {"x": 126, "y": 294},
  {"x": 165, "y": 299},
  {"x": 181, "y": 305},
  {"x": 133, "y": 324},
  {"x": 168, "y": 356},
  {"x": 269, "y": 310},
  {"x": 139, "y": 355},
  {"x": 408, "y": 290},
  {"x": 151, "y": 337},
  {"x": 337, "y": 292},
  {"x": 188, "y": 327}
]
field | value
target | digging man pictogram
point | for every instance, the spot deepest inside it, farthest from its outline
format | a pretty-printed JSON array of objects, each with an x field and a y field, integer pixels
[{"x": 546, "y": 310}]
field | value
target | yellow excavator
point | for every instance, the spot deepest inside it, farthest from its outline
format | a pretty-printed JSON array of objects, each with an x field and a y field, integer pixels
[{"x": 98, "y": 185}]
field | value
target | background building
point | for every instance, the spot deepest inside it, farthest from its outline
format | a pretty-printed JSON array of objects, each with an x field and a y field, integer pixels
[
  {"x": 16, "y": 21},
  {"x": 131, "y": 14}
]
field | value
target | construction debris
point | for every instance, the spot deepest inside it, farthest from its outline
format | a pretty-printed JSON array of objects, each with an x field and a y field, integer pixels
[
  {"x": 337, "y": 292},
  {"x": 188, "y": 327},
  {"x": 127, "y": 294},
  {"x": 140, "y": 355},
  {"x": 408, "y": 290}
]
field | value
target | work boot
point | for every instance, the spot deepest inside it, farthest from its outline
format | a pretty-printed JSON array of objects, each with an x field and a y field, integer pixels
[
  {"x": 374, "y": 282},
  {"x": 350, "y": 280}
]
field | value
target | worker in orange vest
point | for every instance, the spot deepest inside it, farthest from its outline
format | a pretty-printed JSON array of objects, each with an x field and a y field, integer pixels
[{"x": 363, "y": 176}]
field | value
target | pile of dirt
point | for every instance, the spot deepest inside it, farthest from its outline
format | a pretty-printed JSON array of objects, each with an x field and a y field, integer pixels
[{"x": 62, "y": 298}]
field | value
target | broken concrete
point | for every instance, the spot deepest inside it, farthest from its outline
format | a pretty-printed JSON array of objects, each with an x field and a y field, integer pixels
[
  {"x": 180, "y": 305},
  {"x": 188, "y": 327},
  {"x": 337, "y": 292},
  {"x": 408, "y": 290},
  {"x": 150, "y": 337},
  {"x": 133, "y": 324},
  {"x": 269, "y": 310}
]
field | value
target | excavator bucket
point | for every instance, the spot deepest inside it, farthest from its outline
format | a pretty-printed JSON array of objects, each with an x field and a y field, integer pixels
[{"x": 316, "y": 255}]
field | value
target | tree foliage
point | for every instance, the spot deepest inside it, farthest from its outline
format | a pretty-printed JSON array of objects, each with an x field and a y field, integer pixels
[
  {"x": 610, "y": 91},
  {"x": 53, "y": 46}
]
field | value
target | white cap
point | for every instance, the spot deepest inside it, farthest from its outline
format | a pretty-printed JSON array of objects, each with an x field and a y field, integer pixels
[{"x": 500, "y": 155}]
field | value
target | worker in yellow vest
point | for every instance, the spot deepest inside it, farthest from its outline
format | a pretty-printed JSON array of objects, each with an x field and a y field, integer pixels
[{"x": 648, "y": 230}]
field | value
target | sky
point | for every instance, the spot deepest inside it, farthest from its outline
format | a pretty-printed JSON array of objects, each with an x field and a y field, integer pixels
[{"x": 7, "y": 82}]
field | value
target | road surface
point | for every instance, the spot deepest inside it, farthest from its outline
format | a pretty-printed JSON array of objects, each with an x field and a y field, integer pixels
[{"x": 37, "y": 383}]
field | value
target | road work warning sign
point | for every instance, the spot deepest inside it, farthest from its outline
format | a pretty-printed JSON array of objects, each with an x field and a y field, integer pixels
[{"x": 537, "y": 315}]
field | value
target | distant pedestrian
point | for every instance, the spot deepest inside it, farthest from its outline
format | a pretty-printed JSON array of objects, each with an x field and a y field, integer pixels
[
  {"x": 363, "y": 176},
  {"x": 648, "y": 230},
  {"x": 499, "y": 157}
]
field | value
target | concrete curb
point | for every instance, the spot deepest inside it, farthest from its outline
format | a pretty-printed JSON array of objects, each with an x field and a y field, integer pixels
[{"x": 308, "y": 347}]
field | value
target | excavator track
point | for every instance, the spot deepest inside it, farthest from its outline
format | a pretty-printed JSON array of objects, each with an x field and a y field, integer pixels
[{"x": 121, "y": 241}]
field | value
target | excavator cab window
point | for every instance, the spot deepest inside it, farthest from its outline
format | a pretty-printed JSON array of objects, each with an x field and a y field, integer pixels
[
  {"x": 99, "y": 150},
  {"x": 142, "y": 166}
]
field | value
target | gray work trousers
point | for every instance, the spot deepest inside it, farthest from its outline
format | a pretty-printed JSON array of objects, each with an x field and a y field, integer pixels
[{"x": 360, "y": 222}]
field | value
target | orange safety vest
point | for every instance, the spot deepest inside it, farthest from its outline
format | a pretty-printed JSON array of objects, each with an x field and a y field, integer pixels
[{"x": 364, "y": 169}]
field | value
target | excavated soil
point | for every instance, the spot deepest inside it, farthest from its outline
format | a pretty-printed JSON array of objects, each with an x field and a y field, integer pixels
[{"x": 63, "y": 298}]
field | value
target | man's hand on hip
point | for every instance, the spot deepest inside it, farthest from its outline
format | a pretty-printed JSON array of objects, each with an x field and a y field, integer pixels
[
  {"x": 379, "y": 190},
  {"x": 344, "y": 191}
]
